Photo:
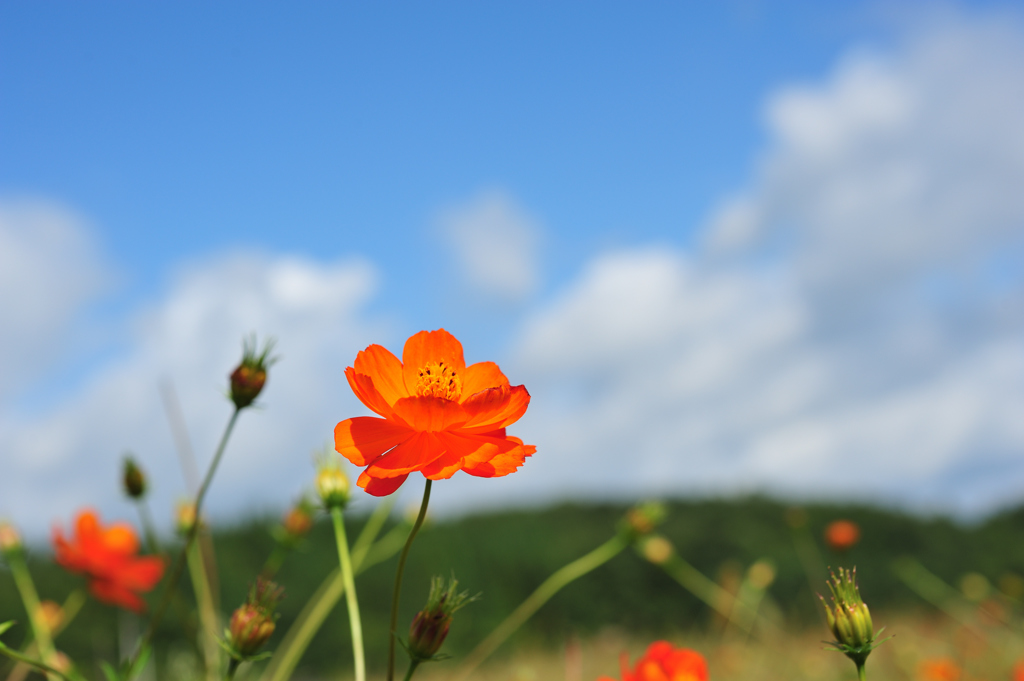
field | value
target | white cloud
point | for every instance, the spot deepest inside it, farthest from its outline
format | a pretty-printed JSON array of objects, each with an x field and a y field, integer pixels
[
  {"x": 495, "y": 244},
  {"x": 839, "y": 333},
  {"x": 59, "y": 461},
  {"x": 49, "y": 269}
]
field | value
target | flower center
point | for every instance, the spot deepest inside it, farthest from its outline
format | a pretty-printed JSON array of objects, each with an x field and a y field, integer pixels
[{"x": 437, "y": 379}]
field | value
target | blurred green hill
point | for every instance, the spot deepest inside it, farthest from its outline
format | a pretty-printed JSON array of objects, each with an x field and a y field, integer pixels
[{"x": 505, "y": 555}]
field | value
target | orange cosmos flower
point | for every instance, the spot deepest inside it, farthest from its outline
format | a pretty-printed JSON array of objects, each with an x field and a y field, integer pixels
[
  {"x": 1018, "y": 671},
  {"x": 108, "y": 555},
  {"x": 663, "y": 662},
  {"x": 439, "y": 415},
  {"x": 842, "y": 535},
  {"x": 939, "y": 669}
]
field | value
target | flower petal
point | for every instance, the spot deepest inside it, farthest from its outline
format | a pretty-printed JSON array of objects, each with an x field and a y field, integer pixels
[
  {"x": 364, "y": 438},
  {"x": 495, "y": 408},
  {"x": 487, "y": 457},
  {"x": 412, "y": 455},
  {"x": 430, "y": 414},
  {"x": 481, "y": 376},
  {"x": 380, "y": 487},
  {"x": 112, "y": 593},
  {"x": 385, "y": 370},
  {"x": 429, "y": 346},
  {"x": 140, "y": 574},
  {"x": 362, "y": 385}
]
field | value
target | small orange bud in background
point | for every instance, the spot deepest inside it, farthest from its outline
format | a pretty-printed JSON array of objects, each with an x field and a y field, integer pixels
[
  {"x": 10, "y": 540},
  {"x": 939, "y": 669},
  {"x": 254, "y": 622},
  {"x": 248, "y": 379},
  {"x": 51, "y": 615},
  {"x": 1018, "y": 671},
  {"x": 842, "y": 535},
  {"x": 298, "y": 521},
  {"x": 134, "y": 479},
  {"x": 656, "y": 549},
  {"x": 185, "y": 517},
  {"x": 430, "y": 626},
  {"x": 641, "y": 520}
]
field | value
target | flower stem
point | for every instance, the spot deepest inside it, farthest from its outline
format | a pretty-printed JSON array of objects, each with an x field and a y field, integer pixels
[
  {"x": 861, "y": 674},
  {"x": 152, "y": 543},
  {"x": 354, "y": 621},
  {"x": 30, "y": 598},
  {"x": 412, "y": 668},
  {"x": 574, "y": 570},
  {"x": 232, "y": 668},
  {"x": 207, "y": 613},
  {"x": 179, "y": 564},
  {"x": 398, "y": 579}
]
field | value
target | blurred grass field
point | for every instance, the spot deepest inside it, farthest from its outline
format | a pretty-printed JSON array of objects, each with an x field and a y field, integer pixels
[{"x": 944, "y": 589}]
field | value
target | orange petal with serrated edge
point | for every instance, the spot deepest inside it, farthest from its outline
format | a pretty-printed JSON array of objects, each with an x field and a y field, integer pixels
[
  {"x": 426, "y": 347},
  {"x": 364, "y": 438}
]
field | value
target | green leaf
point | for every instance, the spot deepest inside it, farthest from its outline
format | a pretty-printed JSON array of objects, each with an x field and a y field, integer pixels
[
  {"x": 6, "y": 625},
  {"x": 109, "y": 671}
]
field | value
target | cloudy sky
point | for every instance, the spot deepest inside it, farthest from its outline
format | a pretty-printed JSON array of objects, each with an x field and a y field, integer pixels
[{"x": 747, "y": 247}]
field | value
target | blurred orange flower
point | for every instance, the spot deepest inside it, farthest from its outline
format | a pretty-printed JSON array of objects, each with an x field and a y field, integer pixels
[
  {"x": 663, "y": 662},
  {"x": 108, "y": 555},
  {"x": 439, "y": 415},
  {"x": 842, "y": 535},
  {"x": 1018, "y": 671},
  {"x": 939, "y": 669}
]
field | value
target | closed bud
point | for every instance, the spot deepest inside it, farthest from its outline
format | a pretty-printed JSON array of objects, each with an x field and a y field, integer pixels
[
  {"x": 10, "y": 540},
  {"x": 254, "y": 622},
  {"x": 641, "y": 520},
  {"x": 51, "y": 615},
  {"x": 298, "y": 521},
  {"x": 249, "y": 377},
  {"x": 656, "y": 549},
  {"x": 430, "y": 626},
  {"x": 849, "y": 618},
  {"x": 185, "y": 517},
  {"x": 332, "y": 484},
  {"x": 134, "y": 479}
]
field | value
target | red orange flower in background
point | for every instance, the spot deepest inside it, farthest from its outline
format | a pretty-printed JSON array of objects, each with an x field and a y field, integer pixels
[
  {"x": 939, "y": 669},
  {"x": 109, "y": 557},
  {"x": 438, "y": 416},
  {"x": 663, "y": 662},
  {"x": 842, "y": 535}
]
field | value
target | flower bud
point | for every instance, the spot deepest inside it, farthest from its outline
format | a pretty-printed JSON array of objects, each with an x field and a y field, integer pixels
[
  {"x": 10, "y": 540},
  {"x": 298, "y": 521},
  {"x": 134, "y": 479},
  {"x": 641, "y": 520},
  {"x": 185, "y": 517},
  {"x": 332, "y": 485},
  {"x": 849, "y": 618},
  {"x": 430, "y": 626},
  {"x": 254, "y": 622},
  {"x": 51, "y": 615},
  {"x": 249, "y": 377},
  {"x": 656, "y": 549}
]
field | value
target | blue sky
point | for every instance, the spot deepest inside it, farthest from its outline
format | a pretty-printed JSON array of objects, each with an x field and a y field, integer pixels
[{"x": 801, "y": 162}]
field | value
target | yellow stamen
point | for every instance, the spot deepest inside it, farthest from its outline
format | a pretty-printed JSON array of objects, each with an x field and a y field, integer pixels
[{"x": 437, "y": 379}]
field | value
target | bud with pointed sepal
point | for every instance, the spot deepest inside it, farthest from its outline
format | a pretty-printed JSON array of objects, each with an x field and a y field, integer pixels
[
  {"x": 10, "y": 540},
  {"x": 849, "y": 619},
  {"x": 254, "y": 622},
  {"x": 249, "y": 377},
  {"x": 332, "y": 484},
  {"x": 430, "y": 626},
  {"x": 134, "y": 479}
]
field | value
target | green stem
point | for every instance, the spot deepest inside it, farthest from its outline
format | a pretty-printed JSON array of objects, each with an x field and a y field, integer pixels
[
  {"x": 147, "y": 526},
  {"x": 25, "y": 659},
  {"x": 552, "y": 585},
  {"x": 354, "y": 621},
  {"x": 320, "y": 604},
  {"x": 30, "y": 598},
  {"x": 274, "y": 561},
  {"x": 232, "y": 668},
  {"x": 179, "y": 565},
  {"x": 398, "y": 579},
  {"x": 412, "y": 668},
  {"x": 207, "y": 613},
  {"x": 861, "y": 674}
]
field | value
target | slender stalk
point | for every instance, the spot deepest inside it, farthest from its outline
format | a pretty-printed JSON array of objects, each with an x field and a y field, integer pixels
[
  {"x": 30, "y": 598},
  {"x": 861, "y": 674},
  {"x": 354, "y": 621},
  {"x": 148, "y": 529},
  {"x": 18, "y": 657},
  {"x": 232, "y": 668},
  {"x": 179, "y": 565},
  {"x": 552, "y": 585},
  {"x": 398, "y": 579},
  {"x": 274, "y": 561},
  {"x": 72, "y": 605},
  {"x": 413, "y": 664},
  {"x": 207, "y": 613},
  {"x": 323, "y": 600}
]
